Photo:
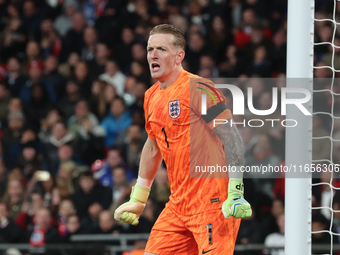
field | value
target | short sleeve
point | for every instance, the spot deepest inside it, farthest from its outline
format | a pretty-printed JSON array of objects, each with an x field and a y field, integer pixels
[{"x": 216, "y": 107}]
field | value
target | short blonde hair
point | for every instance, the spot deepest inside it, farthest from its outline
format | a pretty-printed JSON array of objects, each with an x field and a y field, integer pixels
[{"x": 179, "y": 38}]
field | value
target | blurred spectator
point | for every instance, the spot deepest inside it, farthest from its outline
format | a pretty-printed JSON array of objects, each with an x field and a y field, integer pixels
[
  {"x": 257, "y": 39},
  {"x": 249, "y": 232},
  {"x": 321, "y": 147},
  {"x": 114, "y": 77},
  {"x": 89, "y": 135},
  {"x": 206, "y": 61},
  {"x": 66, "y": 69},
  {"x": 219, "y": 36},
  {"x": 110, "y": 24},
  {"x": 90, "y": 40},
  {"x": 131, "y": 141},
  {"x": 64, "y": 179},
  {"x": 91, "y": 221},
  {"x": 336, "y": 218},
  {"x": 278, "y": 238},
  {"x": 38, "y": 106},
  {"x": 98, "y": 64},
  {"x": 14, "y": 197},
  {"x": 320, "y": 225},
  {"x": 32, "y": 52},
  {"x": 123, "y": 49},
  {"x": 327, "y": 57},
  {"x": 120, "y": 188},
  {"x": 88, "y": 193},
  {"x": 244, "y": 34},
  {"x": 160, "y": 191},
  {"x": 107, "y": 224},
  {"x": 3, "y": 177},
  {"x": 28, "y": 211},
  {"x": 98, "y": 102},
  {"x": 9, "y": 231},
  {"x": 322, "y": 71},
  {"x": 29, "y": 160},
  {"x": 47, "y": 186},
  {"x": 31, "y": 20},
  {"x": 15, "y": 150},
  {"x": 110, "y": 95},
  {"x": 138, "y": 92},
  {"x": 66, "y": 209},
  {"x": 269, "y": 224},
  {"x": 229, "y": 66},
  {"x": 35, "y": 69},
  {"x": 63, "y": 23},
  {"x": 14, "y": 36},
  {"x": 263, "y": 155},
  {"x": 82, "y": 78},
  {"x": 327, "y": 194},
  {"x": 4, "y": 101},
  {"x": 73, "y": 40},
  {"x": 15, "y": 79},
  {"x": 249, "y": 138},
  {"x": 51, "y": 43},
  {"x": 83, "y": 121},
  {"x": 14, "y": 130},
  {"x": 53, "y": 77},
  {"x": 68, "y": 103},
  {"x": 60, "y": 135},
  {"x": 47, "y": 123},
  {"x": 73, "y": 227},
  {"x": 116, "y": 121},
  {"x": 43, "y": 231},
  {"x": 102, "y": 169},
  {"x": 66, "y": 153},
  {"x": 196, "y": 48},
  {"x": 261, "y": 65}
]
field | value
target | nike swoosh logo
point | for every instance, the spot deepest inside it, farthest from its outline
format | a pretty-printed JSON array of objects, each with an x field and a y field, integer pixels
[
  {"x": 204, "y": 252},
  {"x": 236, "y": 198},
  {"x": 150, "y": 115}
]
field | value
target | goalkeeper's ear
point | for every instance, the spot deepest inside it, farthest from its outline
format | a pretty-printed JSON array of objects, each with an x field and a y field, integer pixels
[{"x": 180, "y": 56}]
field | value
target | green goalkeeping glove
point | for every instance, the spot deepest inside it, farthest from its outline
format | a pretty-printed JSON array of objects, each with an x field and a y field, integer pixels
[
  {"x": 130, "y": 211},
  {"x": 236, "y": 205}
]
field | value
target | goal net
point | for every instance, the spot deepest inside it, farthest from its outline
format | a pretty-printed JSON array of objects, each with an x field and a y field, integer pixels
[
  {"x": 313, "y": 51},
  {"x": 326, "y": 129}
]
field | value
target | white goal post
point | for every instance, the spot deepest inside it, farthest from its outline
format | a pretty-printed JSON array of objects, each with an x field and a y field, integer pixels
[{"x": 300, "y": 40}]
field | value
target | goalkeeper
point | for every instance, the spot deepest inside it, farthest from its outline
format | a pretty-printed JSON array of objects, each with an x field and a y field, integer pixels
[{"x": 203, "y": 214}]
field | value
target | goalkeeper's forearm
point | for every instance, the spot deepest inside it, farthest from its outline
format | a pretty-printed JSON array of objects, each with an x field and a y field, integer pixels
[
  {"x": 233, "y": 147},
  {"x": 151, "y": 159}
]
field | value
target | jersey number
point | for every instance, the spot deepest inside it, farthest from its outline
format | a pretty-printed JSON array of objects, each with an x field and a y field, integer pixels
[
  {"x": 209, "y": 227},
  {"x": 166, "y": 138}
]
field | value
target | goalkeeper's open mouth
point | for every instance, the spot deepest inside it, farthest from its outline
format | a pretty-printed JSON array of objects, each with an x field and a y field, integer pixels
[{"x": 155, "y": 67}]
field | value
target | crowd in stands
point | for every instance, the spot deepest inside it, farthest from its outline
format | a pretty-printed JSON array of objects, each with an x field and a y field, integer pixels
[{"x": 73, "y": 74}]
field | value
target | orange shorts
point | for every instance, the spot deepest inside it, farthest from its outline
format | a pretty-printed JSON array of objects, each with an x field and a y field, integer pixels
[{"x": 205, "y": 233}]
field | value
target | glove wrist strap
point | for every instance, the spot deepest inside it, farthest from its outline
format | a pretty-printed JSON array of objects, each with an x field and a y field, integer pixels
[
  {"x": 236, "y": 186},
  {"x": 139, "y": 194}
]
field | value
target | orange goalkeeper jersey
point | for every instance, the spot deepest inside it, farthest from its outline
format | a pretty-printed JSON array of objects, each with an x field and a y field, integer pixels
[{"x": 186, "y": 140}]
